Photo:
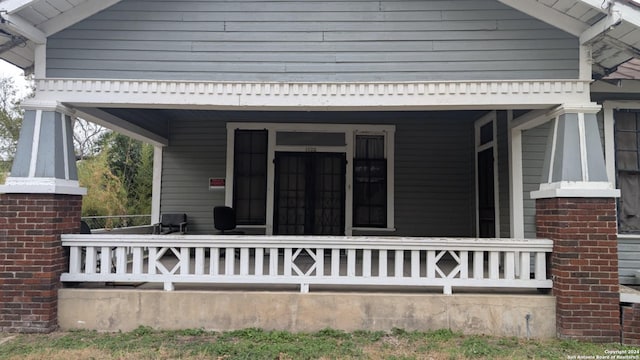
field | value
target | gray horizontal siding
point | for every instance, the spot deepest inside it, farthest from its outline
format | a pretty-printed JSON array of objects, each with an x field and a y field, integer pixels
[
  {"x": 629, "y": 259},
  {"x": 434, "y": 187},
  {"x": 534, "y": 143},
  {"x": 312, "y": 41}
]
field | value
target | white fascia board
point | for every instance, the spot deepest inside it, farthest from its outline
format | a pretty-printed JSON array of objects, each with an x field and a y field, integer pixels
[
  {"x": 75, "y": 15},
  {"x": 601, "y": 27},
  {"x": 548, "y": 15},
  {"x": 122, "y": 126},
  {"x": 13, "y": 6},
  {"x": 517, "y": 94},
  {"x": 18, "y": 25}
]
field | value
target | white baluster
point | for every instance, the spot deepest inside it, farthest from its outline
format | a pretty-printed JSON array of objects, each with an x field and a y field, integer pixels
[
  {"x": 121, "y": 260},
  {"x": 288, "y": 253},
  {"x": 75, "y": 260},
  {"x": 273, "y": 262},
  {"x": 229, "y": 262},
  {"x": 199, "y": 261},
  {"x": 335, "y": 262},
  {"x": 382, "y": 263},
  {"x": 366, "y": 263},
  {"x": 415, "y": 263},
  {"x": 185, "y": 261},
  {"x": 351, "y": 262},
  {"x": 494, "y": 265},
  {"x": 431, "y": 264},
  {"x": 320, "y": 262},
  {"x": 399, "y": 263},
  {"x": 90, "y": 261},
  {"x": 138, "y": 261},
  {"x": 153, "y": 256},
  {"x": 464, "y": 264},
  {"x": 214, "y": 261},
  {"x": 259, "y": 263},
  {"x": 478, "y": 265},
  {"x": 509, "y": 266},
  {"x": 244, "y": 261}
]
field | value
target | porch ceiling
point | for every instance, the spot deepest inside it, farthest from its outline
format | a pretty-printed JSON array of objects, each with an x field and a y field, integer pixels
[{"x": 610, "y": 27}]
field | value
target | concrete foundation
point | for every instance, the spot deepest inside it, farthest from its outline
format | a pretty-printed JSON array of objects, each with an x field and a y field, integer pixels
[{"x": 126, "y": 309}]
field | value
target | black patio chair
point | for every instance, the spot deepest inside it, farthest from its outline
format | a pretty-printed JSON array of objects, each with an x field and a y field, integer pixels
[
  {"x": 171, "y": 223},
  {"x": 224, "y": 220}
]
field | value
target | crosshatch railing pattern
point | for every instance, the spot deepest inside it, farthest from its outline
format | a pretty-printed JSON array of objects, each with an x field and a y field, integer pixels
[{"x": 309, "y": 260}]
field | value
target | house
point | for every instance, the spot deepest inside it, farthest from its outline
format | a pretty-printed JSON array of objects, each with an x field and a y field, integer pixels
[{"x": 368, "y": 133}]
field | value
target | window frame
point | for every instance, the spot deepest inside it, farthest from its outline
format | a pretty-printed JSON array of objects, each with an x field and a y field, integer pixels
[
  {"x": 617, "y": 168},
  {"x": 350, "y": 131}
]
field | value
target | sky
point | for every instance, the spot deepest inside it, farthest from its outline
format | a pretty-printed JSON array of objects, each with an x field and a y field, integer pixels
[{"x": 9, "y": 70}]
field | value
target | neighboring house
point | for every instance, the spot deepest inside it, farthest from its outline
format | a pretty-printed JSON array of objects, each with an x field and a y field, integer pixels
[{"x": 399, "y": 118}]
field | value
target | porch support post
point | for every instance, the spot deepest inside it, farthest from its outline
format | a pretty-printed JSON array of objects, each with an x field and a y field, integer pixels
[
  {"x": 40, "y": 201},
  {"x": 576, "y": 208}
]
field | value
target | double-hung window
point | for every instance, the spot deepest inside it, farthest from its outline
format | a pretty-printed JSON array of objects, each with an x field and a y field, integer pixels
[
  {"x": 370, "y": 182},
  {"x": 250, "y": 176}
]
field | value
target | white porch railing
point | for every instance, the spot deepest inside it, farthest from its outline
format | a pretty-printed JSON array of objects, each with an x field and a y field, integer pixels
[{"x": 308, "y": 260}]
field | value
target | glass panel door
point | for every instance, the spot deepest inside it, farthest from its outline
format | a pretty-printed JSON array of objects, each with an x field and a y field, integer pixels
[{"x": 309, "y": 193}]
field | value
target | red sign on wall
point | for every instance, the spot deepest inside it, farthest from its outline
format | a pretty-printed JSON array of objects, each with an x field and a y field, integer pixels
[{"x": 216, "y": 183}]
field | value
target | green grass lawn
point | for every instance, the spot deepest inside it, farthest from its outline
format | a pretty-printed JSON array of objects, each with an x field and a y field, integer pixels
[{"x": 145, "y": 343}]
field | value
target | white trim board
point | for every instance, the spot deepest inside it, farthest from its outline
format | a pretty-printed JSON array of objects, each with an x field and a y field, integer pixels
[{"x": 444, "y": 95}]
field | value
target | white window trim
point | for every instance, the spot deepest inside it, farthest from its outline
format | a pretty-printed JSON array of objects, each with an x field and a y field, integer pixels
[
  {"x": 493, "y": 144},
  {"x": 350, "y": 131}
]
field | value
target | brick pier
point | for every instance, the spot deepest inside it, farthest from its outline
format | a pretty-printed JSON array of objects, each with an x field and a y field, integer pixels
[
  {"x": 584, "y": 265},
  {"x": 32, "y": 257}
]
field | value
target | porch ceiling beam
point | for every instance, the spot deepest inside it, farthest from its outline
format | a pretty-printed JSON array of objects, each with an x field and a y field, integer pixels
[
  {"x": 601, "y": 27},
  {"x": 17, "y": 25},
  {"x": 548, "y": 15},
  {"x": 77, "y": 14},
  {"x": 13, "y": 6},
  {"x": 516, "y": 94},
  {"x": 120, "y": 125}
]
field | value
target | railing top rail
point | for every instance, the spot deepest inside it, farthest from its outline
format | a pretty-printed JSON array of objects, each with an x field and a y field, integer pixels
[{"x": 344, "y": 242}]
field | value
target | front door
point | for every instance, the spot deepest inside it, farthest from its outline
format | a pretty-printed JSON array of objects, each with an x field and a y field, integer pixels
[{"x": 309, "y": 193}]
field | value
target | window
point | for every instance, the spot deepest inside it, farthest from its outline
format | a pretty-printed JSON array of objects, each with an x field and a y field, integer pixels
[
  {"x": 627, "y": 140},
  {"x": 250, "y": 177},
  {"x": 370, "y": 182}
]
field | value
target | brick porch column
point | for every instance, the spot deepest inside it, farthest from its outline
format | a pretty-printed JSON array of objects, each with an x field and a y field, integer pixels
[
  {"x": 32, "y": 257},
  {"x": 584, "y": 265},
  {"x": 576, "y": 208},
  {"x": 40, "y": 201}
]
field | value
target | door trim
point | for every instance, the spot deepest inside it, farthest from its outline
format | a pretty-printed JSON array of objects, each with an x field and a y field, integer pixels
[{"x": 493, "y": 144}]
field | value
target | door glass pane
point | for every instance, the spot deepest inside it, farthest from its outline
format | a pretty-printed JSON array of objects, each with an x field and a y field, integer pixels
[{"x": 486, "y": 133}]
